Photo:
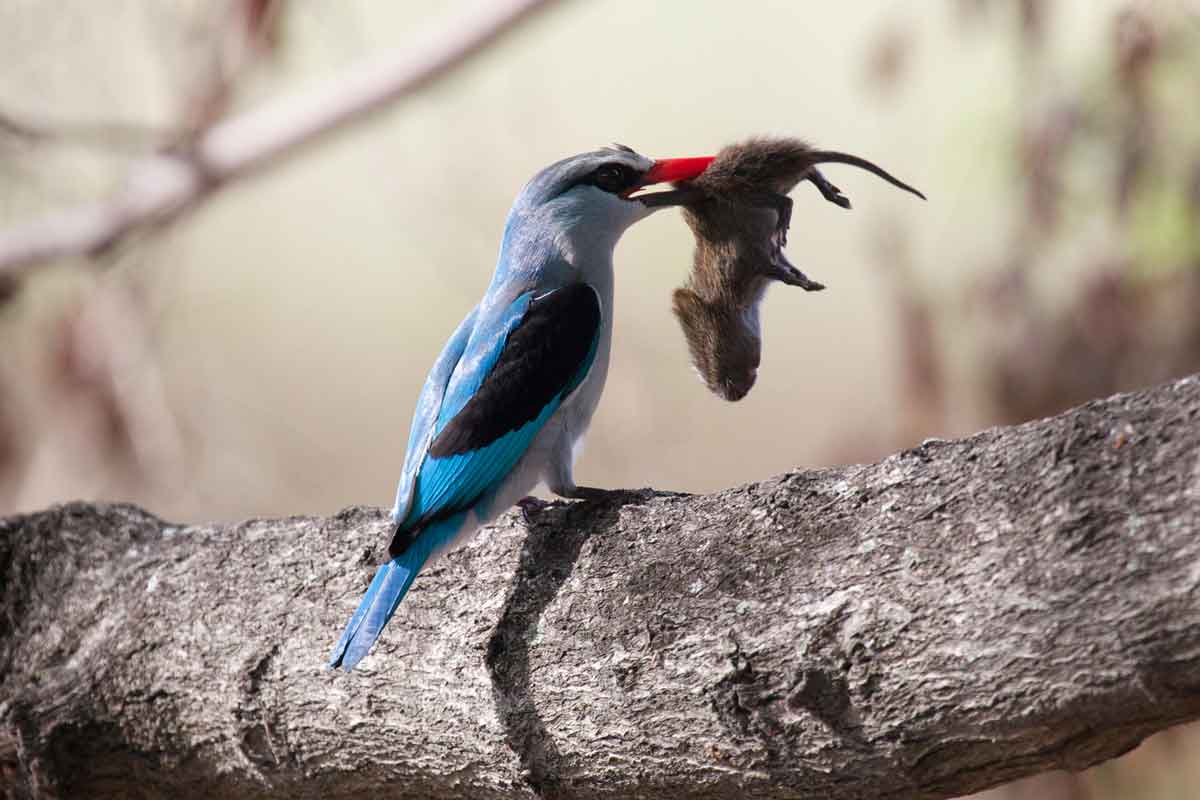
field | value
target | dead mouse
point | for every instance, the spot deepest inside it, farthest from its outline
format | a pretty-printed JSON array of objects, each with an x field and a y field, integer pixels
[{"x": 739, "y": 212}]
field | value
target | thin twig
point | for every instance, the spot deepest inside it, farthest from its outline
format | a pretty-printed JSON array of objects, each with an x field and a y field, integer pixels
[{"x": 161, "y": 186}]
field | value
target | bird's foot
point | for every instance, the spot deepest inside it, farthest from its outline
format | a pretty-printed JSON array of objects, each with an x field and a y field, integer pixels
[
  {"x": 584, "y": 493},
  {"x": 530, "y": 507}
]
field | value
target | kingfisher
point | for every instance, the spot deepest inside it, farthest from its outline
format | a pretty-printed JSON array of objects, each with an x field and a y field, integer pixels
[{"x": 506, "y": 404}]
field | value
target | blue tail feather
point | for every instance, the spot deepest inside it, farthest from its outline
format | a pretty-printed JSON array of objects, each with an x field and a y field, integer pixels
[
  {"x": 339, "y": 649},
  {"x": 391, "y": 582}
]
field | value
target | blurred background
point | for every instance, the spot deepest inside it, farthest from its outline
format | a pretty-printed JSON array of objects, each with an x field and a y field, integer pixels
[{"x": 262, "y": 355}]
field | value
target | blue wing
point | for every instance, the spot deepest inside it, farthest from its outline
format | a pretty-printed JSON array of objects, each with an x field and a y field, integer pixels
[
  {"x": 429, "y": 406},
  {"x": 501, "y": 395}
]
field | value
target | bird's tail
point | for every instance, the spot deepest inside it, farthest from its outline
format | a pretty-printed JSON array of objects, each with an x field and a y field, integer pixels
[{"x": 391, "y": 582}]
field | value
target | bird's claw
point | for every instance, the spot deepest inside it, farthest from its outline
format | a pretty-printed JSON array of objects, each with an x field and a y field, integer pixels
[
  {"x": 584, "y": 493},
  {"x": 531, "y": 506}
]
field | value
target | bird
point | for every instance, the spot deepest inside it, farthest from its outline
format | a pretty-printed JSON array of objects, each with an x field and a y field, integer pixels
[{"x": 506, "y": 404}]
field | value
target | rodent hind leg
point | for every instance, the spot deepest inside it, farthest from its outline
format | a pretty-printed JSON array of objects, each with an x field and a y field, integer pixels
[
  {"x": 781, "y": 204},
  {"x": 782, "y": 270},
  {"x": 830, "y": 192}
]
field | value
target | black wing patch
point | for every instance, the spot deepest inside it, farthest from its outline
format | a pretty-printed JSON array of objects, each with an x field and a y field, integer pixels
[{"x": 540, "y": 358}]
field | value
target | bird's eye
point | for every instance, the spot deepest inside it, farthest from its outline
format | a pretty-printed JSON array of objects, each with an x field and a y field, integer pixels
[{"x": 613, "y": 178}]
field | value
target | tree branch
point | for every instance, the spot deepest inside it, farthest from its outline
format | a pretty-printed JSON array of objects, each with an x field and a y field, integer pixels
[
  {"x": 161, "y": 186},
  {"x": 958, "y": 615}
]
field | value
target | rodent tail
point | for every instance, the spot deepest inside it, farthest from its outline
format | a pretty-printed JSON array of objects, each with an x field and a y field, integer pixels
[{"x": 834, "y": 157}]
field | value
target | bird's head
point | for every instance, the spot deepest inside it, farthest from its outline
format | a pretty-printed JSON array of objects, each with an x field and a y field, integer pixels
[{"x": 598, "y": 194}]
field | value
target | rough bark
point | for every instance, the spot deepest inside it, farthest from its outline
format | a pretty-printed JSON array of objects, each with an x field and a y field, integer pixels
[{"x": 958, "y": 615}]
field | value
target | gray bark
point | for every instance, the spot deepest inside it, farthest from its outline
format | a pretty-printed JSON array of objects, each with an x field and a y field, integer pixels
[{"x": 958, "y": 615}]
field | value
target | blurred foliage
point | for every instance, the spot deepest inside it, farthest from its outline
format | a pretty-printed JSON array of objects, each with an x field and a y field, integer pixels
[{"x": 1117, "y": 145}]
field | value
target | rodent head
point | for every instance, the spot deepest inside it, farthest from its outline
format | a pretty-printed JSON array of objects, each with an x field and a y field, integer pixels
[{"x": 724, "y": 350}]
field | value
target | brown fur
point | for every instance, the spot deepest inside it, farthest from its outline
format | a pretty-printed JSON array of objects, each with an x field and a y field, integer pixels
[{"x": 740, "y": 220}]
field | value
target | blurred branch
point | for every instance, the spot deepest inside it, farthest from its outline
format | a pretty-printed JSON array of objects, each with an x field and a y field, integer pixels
[
  {"x": 956, "y": 616},
  {"x": 160, "y": 187},
  {"x": 232, "y": 49}
]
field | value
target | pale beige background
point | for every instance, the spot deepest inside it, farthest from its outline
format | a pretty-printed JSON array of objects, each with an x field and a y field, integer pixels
[
  {"x": 297, "y": 313},
  {"x": 293, "y": 318}
]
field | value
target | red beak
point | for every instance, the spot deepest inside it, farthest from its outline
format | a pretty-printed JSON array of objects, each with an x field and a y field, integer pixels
[{"x": 676, "y": 169}]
